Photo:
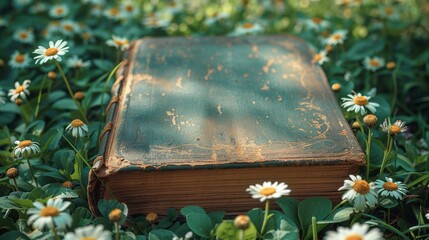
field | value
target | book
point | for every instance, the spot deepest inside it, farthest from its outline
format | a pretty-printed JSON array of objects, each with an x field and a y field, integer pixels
[{"x": 195, "y": 121}]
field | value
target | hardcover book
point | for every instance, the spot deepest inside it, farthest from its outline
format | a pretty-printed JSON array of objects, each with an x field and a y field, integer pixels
[{"x": 195, "y": 121}]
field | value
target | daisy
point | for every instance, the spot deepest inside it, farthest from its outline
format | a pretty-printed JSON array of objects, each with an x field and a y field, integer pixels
[
  {"x": 373, "y": 64},
  {"x": 77, "y": 128},
  {"x": 427, "y": 216},
  {"x": 337, "y": 37},
  {"x": 19, "y": 61},
  {"x": 69, "y": 27},
  {"x": 359, "y": 193},
  {"x": 24, "y": 36},
  {"x": 389, "y": 12},
  {"x": 128, "y": 9},
  {"x": 359, "y": 103},
  {"x": 20, "y": 91},
  {"x": 76, "y": 62},
  {"x": 50, "y": 215},
  {"x": 53, "y": 52},
  {"x": 389, "y": 188},
  {"x": 25, "y": 148},
  {"x": 59, "y": 11},
  {"x": 393, "y": 129},
  {"x": 357, "y": 232},
  {"x": 89, "y": 232},
  {"x": 21, "y": 3},
  {"x": 38, "y": 8},
  {"x": 112, "y": 13},
  {"x": 268, "y": 190},
  {"x": 118, "y": 42},
  {"x": 316, "y": 24},
  {"x": 247, "y": 28},
  {"x": 320, "y": 58},
  {"x": 174, "y": 7},
  {"x": 158, "y": 20}
]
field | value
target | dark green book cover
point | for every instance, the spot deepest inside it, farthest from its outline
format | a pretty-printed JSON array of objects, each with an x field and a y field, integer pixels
[{"x": 189, "y": 104}]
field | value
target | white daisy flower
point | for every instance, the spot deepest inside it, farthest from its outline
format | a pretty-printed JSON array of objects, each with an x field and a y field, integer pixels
[
  {"x": 89, "y": 232},
  {"x": 268, "y": 190},
  {"x": 19, "y": 60},
  {"x": 118, "y": 42},
  {"x": 359, "y": 193},
  {"x": 357, "y": 232},
  {"x": 216, "y": 17},
  {"x": 174, "y": 7},
  {"x": 24, "y": 36},
  {"x": 358, "y": 103},
  {"x": 337, "y": 37},
  {"x": 69, "y": 27},
  {"x": 21, "y": 3},
  {"x": 320, "y": 58},
  {"x": 188, "y": 235},
  {"x": 25, "y": 148},
  {"x": 59, "y": 11},
  {"x": 316, "y": 24},
  {"x": 247, "y": 28},
  {"x": 129, "y": 9},
  {"x": 112, "y": 13},
  {"x": 50, "y": 215},
  {"x": 395, "y": 128},
  {"x": 77, "y": 128},
  {"x": 373, "y": 64},
  {"x": 389, "y": 188},
  {"x": 427, "y": 216},
  {"x": 76, "y": 62},
  {"x": 38, "y": 8},
  {"x": 20, "y": 91},
  {"x": 3, "y": 22},
  {"x": 389, "y": 12},
  {"x": 55, "y": 51},
  {"x": 158, "y": 20}
]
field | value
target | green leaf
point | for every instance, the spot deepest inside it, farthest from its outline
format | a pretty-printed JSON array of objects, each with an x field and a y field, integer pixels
[
  {"x": 172, "y": 214},
  {"x": 65, "y": 104},
  {"x": 161, "y": 234},
  {"x": 36, "y": 194},
  {"x": 227, "y": 231},
  {"x": 81, "y": 217},
  {"x": 388, "y": 203},
  {"x": 340, "y": 215},
  {"x": 216, "y": 217},
  {"x": 106, "y": 223},
  {"x": 191, "y": 209},
  {"x": 7, "y": 223},
  {"x": 23, "y": 203},
  {"x": 364, "y": 48},
  {"x": 318, "y": 207},
  {"x": 15, "y": 234},
  {"x": 200, "y": 224},
  {"x": 289, "y": 207},
  {"x": 106, "y": 206}
]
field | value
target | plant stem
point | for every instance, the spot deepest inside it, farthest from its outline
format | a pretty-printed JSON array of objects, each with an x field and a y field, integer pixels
[
  {"x": 386, "y": 154},
  {"x": 267, "y": 208},
  {"x": 314, "y": 227},
  {"x": 339, "y": 205},
  {"x": 395, "y": 91},
  {"x": 54, "y": 230},
  {"x": 31, "y": 171},
  {"x": 368, "y": 152},
  {"x": 241, "y": 234},
  {"x": 79, "y": 107},
  {"x": 39, "y": 98},
  {"x": 116, "y": 230},
  {"x": 14, "y": 183}
]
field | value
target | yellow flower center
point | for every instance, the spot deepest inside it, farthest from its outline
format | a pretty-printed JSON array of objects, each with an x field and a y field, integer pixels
[
  {"x": 360, "y": 100},
  {"x": 86, "y": 35},
  {"x": 51, "y": 52},
  {"x": 361, "y": 187},
  {"x": 390, "y": 186},
  {"x": 49, "y": 212},
  {"x": 337, "y": 37},
  {"x": 374, "y": 63},
  {"x": 267, "y": 191},
  {"x": 172, "y": 4},
  {"x": 68, "y": 27},
  {"x": 391, "y": 65},
  {"x": 77, "y": 123},
  {"x": 19, "y": 58},
  {"x": 121, "y": 42},
  {"x": 247, "y": 25},
  {"x": 129, "y": 8},
  {"x": 19, "y": 89},
  {"x": 395, "y": 129},
  {"x": 336, "y": 87},
  {"x": 25, "y": 143},
  {"x": 23, "y": 35},
  {"x": 114, "y": 11},
  {"x": 354, "y": 237},
  {"x": 317, "y": 20},
  {"x": 88, "y": 238},
  {"x": 59, "y": 10},
  {"x": 151, "y": 217},
  {"x": 389, "y": 11},
  {"x": 317, "y": 57},
  {"x": 153, "y": 22}
]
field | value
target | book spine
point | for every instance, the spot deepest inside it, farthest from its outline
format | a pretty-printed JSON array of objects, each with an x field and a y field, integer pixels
[{"x": 96, "y": 188}]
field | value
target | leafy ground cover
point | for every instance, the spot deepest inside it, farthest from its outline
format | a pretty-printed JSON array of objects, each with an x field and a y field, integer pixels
[{"x": 56, "y": 68}]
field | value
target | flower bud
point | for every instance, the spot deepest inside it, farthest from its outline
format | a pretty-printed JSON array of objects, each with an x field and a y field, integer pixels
[
  {"x": 115, "y": 215},
  {"x": 336, "y": 87},
  {"x": 79, "y": 96},
  {"x": 12, "y": 173},
  {"x": 52, "y": 75},
  {"x": 152, "y": 217},
  {"x": 68, "y": 184},
  {"x": 242, "y": 222},
  {"x": 391, "y": 65},
  {"x": 356, "y": 125},
  {"x": 18, "y": 101},
  {"x": 370, "y": 120}
]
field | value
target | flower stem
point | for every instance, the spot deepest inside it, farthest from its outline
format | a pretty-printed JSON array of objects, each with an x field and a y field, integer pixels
[
  {"x": 54, "y": 230},
  {"x": 368, "y": 152},
  {"x": 116, "y": 230},
  {"x": 31, "y": 172},
  {"x": 241, "y": 234},
  {"x": 79, "y": 107},
  {"x": 395, "y": 89},
  {"x": 386, "y": 154},
  {"x": 15, "y": 184},
  {"x": 314, "y": 227},
  {"x": 267, "y": 208}
]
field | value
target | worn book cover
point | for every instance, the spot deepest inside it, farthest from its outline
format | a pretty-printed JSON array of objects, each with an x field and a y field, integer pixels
[{"x": 195, "y": 121}]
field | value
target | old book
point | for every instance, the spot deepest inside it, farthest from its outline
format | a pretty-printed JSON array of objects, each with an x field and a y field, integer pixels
[{"x": 195, "y": 121}]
